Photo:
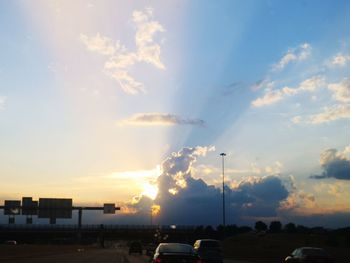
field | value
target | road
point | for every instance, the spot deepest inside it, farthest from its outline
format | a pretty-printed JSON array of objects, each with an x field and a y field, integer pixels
[
  {"x": 82, "y": 256},
  {"x": 111, "y": 255}
]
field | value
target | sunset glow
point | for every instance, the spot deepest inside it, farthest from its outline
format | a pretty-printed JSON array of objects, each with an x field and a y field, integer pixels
[
  {"x": 151, "y": 191},
  {"x": 132, "y": 102}
]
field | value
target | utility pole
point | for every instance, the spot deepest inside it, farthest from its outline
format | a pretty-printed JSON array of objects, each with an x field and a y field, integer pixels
[{"x": 223, "y": 189}]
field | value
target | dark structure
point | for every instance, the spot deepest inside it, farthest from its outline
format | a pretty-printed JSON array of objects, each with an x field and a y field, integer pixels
[{"x": 51, "y": 208}]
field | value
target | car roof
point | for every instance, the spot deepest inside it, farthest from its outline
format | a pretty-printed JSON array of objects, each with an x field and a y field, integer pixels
[
  {"x": 311, "y": 248},
  {"x": 173, "y": 243}
]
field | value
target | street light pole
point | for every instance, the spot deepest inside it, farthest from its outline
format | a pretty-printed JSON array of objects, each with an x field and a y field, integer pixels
[{"x": 223, "y": 188}]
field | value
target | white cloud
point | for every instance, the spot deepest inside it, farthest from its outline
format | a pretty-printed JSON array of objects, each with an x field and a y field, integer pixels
[
  {"x": 341, "y": 93},
  {"x": 311, "y": 84},
  {"x": 299, "y": 53},
  {"x": 273, "y": 96},
  {"x": 341, "y": 90},
  {"x": 127, "y": 83},
  {"x": 330, "y": 114},
  {"x": 148, "y": 50},
  {"x": 340, "y": 60},
  {"x": 99, "y": 44},
  {"x": 160, "y": 119},
  {"x": 270, "y": 97},
  {"x": 120, "y": 60},
  {"x": 2, "y": 102}
]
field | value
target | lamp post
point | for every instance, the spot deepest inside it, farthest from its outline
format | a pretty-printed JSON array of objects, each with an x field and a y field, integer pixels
[{"x": 223, "y": 188}]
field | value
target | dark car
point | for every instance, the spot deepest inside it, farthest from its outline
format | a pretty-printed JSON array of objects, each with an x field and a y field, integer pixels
[
  {"x": 150, "y": 248},
  {"x": 175, "y": 253},
  {"x": 11, "y": 242},
  {"x": 135, "y": 247},
  {"x": 308, "y": 255},
  {"x": 209, "y": 250}
]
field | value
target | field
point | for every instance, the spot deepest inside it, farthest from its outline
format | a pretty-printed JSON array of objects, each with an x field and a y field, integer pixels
[{"x": 270, "y": 248}]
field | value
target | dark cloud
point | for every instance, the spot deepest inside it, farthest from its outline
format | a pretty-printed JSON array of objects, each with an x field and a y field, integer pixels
[
  {"x": 259, "y": 196},
  {"x": 189, "y": 201},
  {"x": 335, "y": 165}
]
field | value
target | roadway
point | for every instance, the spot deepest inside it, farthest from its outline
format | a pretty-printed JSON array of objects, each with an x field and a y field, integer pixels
[{"x": 111, "y": 255}]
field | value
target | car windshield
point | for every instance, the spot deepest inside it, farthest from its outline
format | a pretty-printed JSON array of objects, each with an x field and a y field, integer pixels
[
  {"x": 210, "y": 244},
  {"x": 314, "y": 252},
  {"x": 175, "y": 248}
]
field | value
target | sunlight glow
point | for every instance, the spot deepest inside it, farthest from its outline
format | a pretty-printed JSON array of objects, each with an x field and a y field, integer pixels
[
  {"x": 137, "y": 174},
  {"x": 173, "y": 191},
  {"x": 150, "y": 190},
  {"x": 155, "y": 209}
]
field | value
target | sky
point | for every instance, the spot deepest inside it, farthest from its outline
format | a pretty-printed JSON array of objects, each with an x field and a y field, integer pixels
[{"x": 132, "y": 102}]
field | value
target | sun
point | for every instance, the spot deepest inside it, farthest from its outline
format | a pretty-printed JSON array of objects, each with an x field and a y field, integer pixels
[{"x": 150, "y": 190}]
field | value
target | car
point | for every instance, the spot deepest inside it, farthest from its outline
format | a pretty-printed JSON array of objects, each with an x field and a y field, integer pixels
[
  {"x": 308, "y": 255},
  {"x": 150, "y": 248},
  {"x": 209, "y": 250},
  {"x": 135, "y": 247},
  {"x": 11, "y": 242},
  {"x": 174, "y": 253}
]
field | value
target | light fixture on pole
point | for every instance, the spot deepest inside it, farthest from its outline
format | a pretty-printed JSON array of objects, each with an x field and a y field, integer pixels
[{"x": 223, "y": 188}]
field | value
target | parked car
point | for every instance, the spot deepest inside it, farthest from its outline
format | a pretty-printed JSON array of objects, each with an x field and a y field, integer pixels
[
  {"x": 135, "y": 247},
  {"x": 308, "y": 255},
  {"x": 209, "y": 250},
  {"x": 175, "y": 252}
]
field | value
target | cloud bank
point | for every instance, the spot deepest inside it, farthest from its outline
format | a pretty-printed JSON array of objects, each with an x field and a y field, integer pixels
[
  {"x": 329, "y": 114},
  {"x": 335, "y": 164},
  {"x": 182, "y": 199},
  {"x": 272, "y": 96},
  {"x": 119, "y": 59},
  {"x": 340, "y": 110},
  {"x": 160, "y": 119}
]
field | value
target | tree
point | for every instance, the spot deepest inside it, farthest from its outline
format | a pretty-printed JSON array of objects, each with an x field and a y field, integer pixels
[
  {"x": 244, "y": 229},
  {"x": 275, "y": 227},
  {"x": 303, "y": 229},
  {"x": 290, "y": 228},
  {"x": 260, "y": 226},
  {"x": 231, "y": 230},
  {"x": 209, "y": 230}
]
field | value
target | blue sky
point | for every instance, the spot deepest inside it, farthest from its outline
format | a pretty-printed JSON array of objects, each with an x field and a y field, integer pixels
[{"x": 96, "y": 96}]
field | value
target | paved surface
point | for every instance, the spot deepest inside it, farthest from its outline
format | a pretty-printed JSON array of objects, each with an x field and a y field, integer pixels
[
  {"x": 111, "y": 255},
  {"x": 235, "y": 261},
  {"x": 90, "y": 256}
]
